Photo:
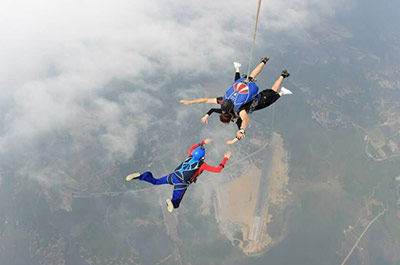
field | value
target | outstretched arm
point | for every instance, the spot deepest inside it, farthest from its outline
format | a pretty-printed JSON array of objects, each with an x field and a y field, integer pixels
[
  {"x": 245, "y": 121},
  {"x": 206, "y": 141},
  {"x": 211, "y": 111},
  {"x": 194, "y": 147},
  {"x": 219, "y": 168},
  {"x": 199, "y": 100},
  {"x": 234, "y": 140}
]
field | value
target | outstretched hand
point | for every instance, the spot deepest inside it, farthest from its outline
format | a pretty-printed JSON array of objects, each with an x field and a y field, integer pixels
[
  {"x": 228, "y": 154},
  {"x": 230, "y": 142},
  {"x": 186, "y": 102},
  {"x": 207, "y": 141},
  {"x": 205, "y": 119},
  {"x": 240, "y": 135}
]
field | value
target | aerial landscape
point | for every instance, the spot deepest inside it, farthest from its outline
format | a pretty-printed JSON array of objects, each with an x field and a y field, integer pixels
[{"x": 90, "y": 92}]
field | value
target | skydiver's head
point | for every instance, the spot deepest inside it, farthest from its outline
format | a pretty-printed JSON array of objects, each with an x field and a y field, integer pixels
[
  {"x": 227, "y": 109},
  {"x": 226, "y": 117},
  {"x": 199, "y": 153},
  {"x": 227, "y": 106}
]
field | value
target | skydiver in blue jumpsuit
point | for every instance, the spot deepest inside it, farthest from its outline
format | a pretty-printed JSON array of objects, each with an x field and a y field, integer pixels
[{"x": 184, "y": 175}]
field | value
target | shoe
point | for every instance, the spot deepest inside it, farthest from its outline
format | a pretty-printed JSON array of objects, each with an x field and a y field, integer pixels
[
  {"x": 132, "y": 176},
  {"x": 236, "y": 65},
  {"x": 285, "y": 73},
  {"x": 264, "y": 60},
  {"x": 286, "y": 91},
  {"x": 170, "y": 206}
]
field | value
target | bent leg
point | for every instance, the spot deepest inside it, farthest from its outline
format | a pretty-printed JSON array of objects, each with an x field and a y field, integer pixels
[
  {"x": 257, "y": 70},
  {"x": 148, "y": 177},
  {"x": 237, "y": 70},
  {"x": 277, "y": 84},
  {"x": 237, "y": 75},
  {"x": 268, "y": 96},
  {"x": 177, "y": 195}
]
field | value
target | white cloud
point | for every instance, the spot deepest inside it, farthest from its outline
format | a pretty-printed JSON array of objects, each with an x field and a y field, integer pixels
[
  {"x": 58, "y": 56},
  {"x": 298, "y": 15}
]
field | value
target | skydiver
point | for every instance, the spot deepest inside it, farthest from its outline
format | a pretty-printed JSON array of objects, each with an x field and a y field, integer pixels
[
  {"x": 227, "y": 113},
  {"x": 263, "y": 100},
  {"x": 239, "y": 93},
  {"x": 184, "y": 175}
]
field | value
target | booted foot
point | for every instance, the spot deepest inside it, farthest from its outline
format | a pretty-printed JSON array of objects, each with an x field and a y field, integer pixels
[
  {"x": 264, "y": 60},
  {"x": 132, "y": 176},
  {"x": 285, "y": 73},
  {"x": 170, "y": 206},
  {"x": 286, "y": 91},
  {"x": 237, "y": 65}
]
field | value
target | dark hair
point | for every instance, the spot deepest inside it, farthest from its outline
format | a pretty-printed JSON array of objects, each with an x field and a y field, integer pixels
[
  {"x": 227, "y": 105},
  {"x": 225, "y": 117}
]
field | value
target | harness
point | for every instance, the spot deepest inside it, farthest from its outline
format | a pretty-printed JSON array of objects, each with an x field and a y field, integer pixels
[
  {"x": 177, "y": 186},
  {"x": 187, "y": 169},
  {"x": 254, "y": 104},
  {"x": 241, "y": 92}
]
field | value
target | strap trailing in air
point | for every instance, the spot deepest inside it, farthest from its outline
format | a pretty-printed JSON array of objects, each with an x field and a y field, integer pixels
[{"x": 254, "y": 40}]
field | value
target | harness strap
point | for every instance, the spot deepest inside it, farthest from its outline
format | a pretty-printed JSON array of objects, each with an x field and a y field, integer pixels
[
  {"x": 253, "y": 105},
  {"x": 254, "y": 39},
  {"x": 169, "y": 179},
  {"x": 181, "y": 186},
  {"x": 183, "y": 181}
]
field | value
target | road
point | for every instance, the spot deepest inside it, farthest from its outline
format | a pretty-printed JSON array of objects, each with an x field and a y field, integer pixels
[{"x": 362, "y": 234}]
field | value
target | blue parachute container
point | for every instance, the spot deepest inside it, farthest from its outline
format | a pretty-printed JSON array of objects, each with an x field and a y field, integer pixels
[{"x": 241, "y": 92}]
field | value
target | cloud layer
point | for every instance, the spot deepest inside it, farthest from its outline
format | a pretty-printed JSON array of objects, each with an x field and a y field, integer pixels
[{"x": 60, "y": 60}]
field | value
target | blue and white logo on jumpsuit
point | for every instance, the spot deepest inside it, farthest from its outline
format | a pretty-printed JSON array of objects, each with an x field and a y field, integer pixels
[{"x": 188, "y": 168}]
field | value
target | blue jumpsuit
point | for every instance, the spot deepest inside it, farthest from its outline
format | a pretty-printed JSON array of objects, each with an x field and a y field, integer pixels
[{"x": 180, "y": 186}]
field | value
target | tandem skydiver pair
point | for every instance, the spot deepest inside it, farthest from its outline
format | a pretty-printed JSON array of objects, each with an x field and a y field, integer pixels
[{"x": 241, "y": 99}]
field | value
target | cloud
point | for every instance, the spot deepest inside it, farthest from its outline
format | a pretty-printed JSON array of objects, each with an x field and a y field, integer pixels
[
  {"x": 89, "y": 92},
  {"x": 62, "y": 61},
  {"x": 296, "y": 15}
]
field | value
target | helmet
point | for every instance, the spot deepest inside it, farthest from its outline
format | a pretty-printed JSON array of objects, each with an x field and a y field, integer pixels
[
  {"x": 226, "y": 105},
  {"x": 198, "y": 153}
]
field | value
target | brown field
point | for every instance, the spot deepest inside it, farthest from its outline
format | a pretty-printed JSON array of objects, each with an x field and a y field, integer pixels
[{"x": 236, "y": 202}]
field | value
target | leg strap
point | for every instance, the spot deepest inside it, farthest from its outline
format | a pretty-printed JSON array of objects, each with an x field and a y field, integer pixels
[
  {"x": 169, "y": 179},
  {"x": 180, "y": 186}
]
